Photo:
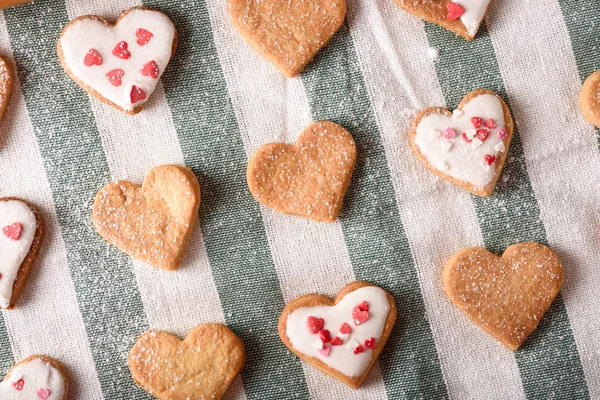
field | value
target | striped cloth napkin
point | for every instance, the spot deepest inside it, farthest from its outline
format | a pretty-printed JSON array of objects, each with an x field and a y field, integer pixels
[{"x": 86, "y": 302}]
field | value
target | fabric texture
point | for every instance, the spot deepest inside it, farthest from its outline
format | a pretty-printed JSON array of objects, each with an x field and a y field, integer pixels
[{"x": 86, "y": 302}]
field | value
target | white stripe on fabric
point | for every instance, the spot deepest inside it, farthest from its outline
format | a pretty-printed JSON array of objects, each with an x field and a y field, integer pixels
[
  {"x": 308, "y": 256},
  {"x": 561, "y": 152},
  {"x": 47, "y": 319},
  {"x": 438, "y": 217},
  {"x": 173, "y": 301}
]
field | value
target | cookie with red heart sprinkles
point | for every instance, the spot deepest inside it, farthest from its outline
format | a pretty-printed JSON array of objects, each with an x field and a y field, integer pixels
[
  {"x": 21, "y": 235},
  {"x": 118, "y": 63},
  {"x": 35, "y": 378},
  {"x": 341, "y": 337},
  {"x": 462, "y": 17}
]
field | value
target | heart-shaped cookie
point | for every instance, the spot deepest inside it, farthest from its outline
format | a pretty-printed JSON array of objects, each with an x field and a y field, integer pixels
[
  {"x": 21, "y": 235},
  {"x": 589, "y": 99},
  {"x": 152, "y": 223},
  {"x": 6, "y": 85},
  {"x": 308, "y": 179},
  {"x": 12, "y": 3},
  {"x": 468, "y": 146},
  {"x": 341, "y": 337},
  {"x": 287, "y": 33},
  {"x": 202, "y": 366},
  {"x": 508, "y": 295},
  {"x": 462, "y": 17},
  {"x": 35, "y": 378},
  {"x": 121, "y": 63}
]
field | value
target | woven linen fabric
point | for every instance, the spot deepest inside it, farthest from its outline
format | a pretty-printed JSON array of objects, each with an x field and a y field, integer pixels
[{"x": 86, "y": 302}]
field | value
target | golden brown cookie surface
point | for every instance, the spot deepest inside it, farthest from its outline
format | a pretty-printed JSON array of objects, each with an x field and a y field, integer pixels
[
  {"x": 468, "y": 146},
  {"x": 21, "y": 235},
  {"x": 308, "y": 179},
  {"x": 287, "y": 33},
  {"x": 36, "y": 377},
  {"x": 508, "y": 295},
  {"x": 589, "y": 100},
  {"x": 152, "y": 223},
  {"x": 6, "y": 85},
  {"x": 202, "y": 366},
  {"x": 341, "y": 337},
  {"x": 12, "y": 3},
  {"x": 462, "y": 17}
]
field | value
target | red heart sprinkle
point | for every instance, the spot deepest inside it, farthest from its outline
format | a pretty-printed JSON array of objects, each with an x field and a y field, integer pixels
[
  {"x": 315, "y": 324},
  {"x": 336, "y": 341},
  {"x": 43, "y": 393},
  {"x": 92, "y": 58},
  {"x": 466, "y": 138},
  {"x": 359, "y": 316},
  {"x": 503, "y": 134},
  {"x": 364, "y": 306},
  {"x": 490, "y": 123},
  {"x": 121, "y": 51},
  {"x": 345, "y": 328},
  {"x": 370, "y": 343},
  {"x": 150, "y": 69},
  {"x": 136, "y": 94},
  {"x": 489, "y": 159},
  {"x": 18, "y": 385},
  {"x": 0, "y": 276},
  {"x": 325, "y": 336},
  {"x": 115, "y": 76},
  {"x": 482, "y": 134},
  {"x": 143, "y": 36},
  {"x": 476, "y": 121},
  {"x": 454, "y": 11},
  {"x": 359, "y": 349},
  {"x": 13, "y": 231}
]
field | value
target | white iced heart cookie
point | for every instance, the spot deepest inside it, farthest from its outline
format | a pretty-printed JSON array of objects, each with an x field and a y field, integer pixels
[
  {"x": 21, "y": 233},
  {"x": 468, "y": 146},
  {"x": 341, "y": 337},
  {"x": 35, "y": 378},
  {"x": 118, "y": 63},
  {"x": 462, "y": 17}
]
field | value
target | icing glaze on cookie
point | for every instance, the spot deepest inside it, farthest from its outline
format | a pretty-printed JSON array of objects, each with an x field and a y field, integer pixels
[
  {"x": 353, "y": 353},
  {"x": 474, "y": 13},
  {"x": 455, "y": 146},
  {"x": 124, "y": 62},
  {"x": 33, "y": 380},
  {"x": 17, "y": 231}
]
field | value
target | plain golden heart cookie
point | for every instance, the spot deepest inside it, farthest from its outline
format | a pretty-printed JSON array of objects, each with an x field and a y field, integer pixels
[
  {"x": 35, "y": 378},
  {"x": 152, "y": 223},
  {"x": 462, "y": 17},
  {"x": 6, "y": 85},
  {"x": 341, "y": 337},
  {"x": 287, "y": 33},
  {"x": 21, "y": 235},
  {"x": 12, "y": 3},
  {"x": 508, "y": 295},
  {"x": 589, "y": 99},
  {"x": 468, "y": 146},
  {"x": 202, "y": 366},
  {"x": 308, "y": 179}
]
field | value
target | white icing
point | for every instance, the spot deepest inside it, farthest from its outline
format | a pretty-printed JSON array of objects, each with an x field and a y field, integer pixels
[
  {"x": 464, "y": 161},
  {"x": 474, "y": 13},
  {"x": 342, "y": 358},
  {"x": 40, "y": 381},
  {"x": 86, "y": 34},
  {"x": 13, "y": 252}
]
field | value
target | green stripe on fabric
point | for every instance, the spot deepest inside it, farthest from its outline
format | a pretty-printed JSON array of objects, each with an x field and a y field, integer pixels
[
  {"x": 581, "y": 18},
  {"x": 231, "y": 221},
  {"x": 76, "y": 167},
  {"x": 371, "y": 222},
  {"x": 6, "y": 355},
  {"x": 548, "y": 361}
]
